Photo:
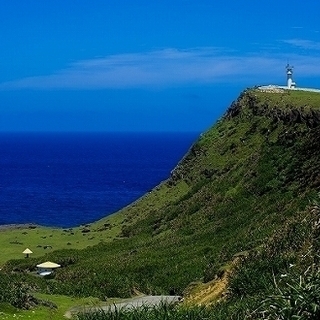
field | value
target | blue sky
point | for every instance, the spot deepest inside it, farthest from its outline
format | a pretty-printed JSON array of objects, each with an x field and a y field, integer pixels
[{"x": 138, "y": 65}]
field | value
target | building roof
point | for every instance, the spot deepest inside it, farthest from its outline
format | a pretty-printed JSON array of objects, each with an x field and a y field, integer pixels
[
  {"x": 27, "y": 251},
  {"x": 48, "y": 265}
]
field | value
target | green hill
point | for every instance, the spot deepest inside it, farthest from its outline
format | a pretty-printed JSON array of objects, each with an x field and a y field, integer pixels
[{"x": 239, "y": 207}]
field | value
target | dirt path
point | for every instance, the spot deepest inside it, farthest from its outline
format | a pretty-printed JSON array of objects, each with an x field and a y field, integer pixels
[{"x": 128, "y": 304}]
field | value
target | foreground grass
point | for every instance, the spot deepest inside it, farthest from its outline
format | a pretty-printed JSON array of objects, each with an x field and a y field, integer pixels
[
  {"x": 165, "y": 311},
  {"x": 63, "y": 304}
]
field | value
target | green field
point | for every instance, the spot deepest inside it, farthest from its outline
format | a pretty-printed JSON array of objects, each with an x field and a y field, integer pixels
[{"x": 43, "y": 240}]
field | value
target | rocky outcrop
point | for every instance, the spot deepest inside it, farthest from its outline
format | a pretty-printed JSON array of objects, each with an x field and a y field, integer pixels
[{"x": 289, "y": 114}]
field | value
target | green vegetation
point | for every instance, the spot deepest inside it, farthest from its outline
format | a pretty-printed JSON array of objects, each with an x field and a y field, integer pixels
[
  {"x": 51, "y": 307},
  {"x": 165, "y": 311},
  {"x": 43, "y": 240},
  {"x": 241, "y": 203}
]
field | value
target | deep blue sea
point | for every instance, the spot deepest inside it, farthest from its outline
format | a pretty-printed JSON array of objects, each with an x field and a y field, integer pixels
[{"x": 68, "y": 179}]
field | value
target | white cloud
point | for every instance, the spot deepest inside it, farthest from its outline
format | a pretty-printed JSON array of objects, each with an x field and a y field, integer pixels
[
  {"x": 165, "y": 67},
  {"x": 304, "y": 44}
]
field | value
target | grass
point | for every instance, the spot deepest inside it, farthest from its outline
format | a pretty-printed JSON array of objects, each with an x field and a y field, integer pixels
[
  {"x": 43, "y": 240},
  {"x": 64, "y": 303},
  {"x": 289, "y": 99},
  {"x": 165, "y": 311}
]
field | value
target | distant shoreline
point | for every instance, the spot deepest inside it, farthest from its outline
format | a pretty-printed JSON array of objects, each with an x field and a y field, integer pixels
[{"x": 5, "y": 227}]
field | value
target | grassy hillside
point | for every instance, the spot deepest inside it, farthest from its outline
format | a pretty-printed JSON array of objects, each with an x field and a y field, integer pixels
[{"x": 238, "y": 204}]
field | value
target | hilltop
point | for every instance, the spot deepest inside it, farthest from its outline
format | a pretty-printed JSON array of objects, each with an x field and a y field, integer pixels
[{"x": 237, "y": 212}]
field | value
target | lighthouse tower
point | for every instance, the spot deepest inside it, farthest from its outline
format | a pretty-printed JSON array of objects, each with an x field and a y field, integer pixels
[{"x": 291, "y": 84}]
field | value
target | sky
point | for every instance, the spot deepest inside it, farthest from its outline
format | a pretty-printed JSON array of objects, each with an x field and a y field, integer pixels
[{"x": 146, "y": 65}]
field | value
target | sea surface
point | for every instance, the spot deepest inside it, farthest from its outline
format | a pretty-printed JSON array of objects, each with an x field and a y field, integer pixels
[{"x": 69, "y": 179}]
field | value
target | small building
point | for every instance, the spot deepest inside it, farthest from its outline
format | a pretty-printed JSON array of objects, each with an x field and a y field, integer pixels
[
  {"x": 46, "y": 268},
  {"x": 27, "y": 252}
]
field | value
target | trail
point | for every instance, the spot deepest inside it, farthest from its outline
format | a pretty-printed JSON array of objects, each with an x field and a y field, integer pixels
[{"x": 149, "y": 301}]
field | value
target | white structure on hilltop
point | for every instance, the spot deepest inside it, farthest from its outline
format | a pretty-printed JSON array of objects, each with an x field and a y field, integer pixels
[{"x": 291, "y": 84}]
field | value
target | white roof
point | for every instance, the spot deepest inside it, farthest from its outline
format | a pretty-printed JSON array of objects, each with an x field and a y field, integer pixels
[
  {"x": 48, "y": 265},
  {"x": 27, "y": 251}
]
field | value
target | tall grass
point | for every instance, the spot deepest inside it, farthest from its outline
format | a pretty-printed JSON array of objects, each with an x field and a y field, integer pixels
[
  {"x": 164, "y": 311},
  {"x": 298, "y": 297}
]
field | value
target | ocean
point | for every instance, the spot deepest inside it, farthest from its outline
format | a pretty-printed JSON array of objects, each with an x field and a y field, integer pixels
[{"x": 69, "y": 179}]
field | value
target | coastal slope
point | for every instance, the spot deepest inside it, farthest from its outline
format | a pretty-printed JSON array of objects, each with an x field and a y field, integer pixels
[{"x": 239, "y": 207}]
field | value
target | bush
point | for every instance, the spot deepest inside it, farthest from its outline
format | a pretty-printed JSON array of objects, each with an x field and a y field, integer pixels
[{"x": 16, "y": 293}]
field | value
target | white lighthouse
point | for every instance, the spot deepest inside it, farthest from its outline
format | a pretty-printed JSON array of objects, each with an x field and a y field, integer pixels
[{"x": 291, "y": 84}]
